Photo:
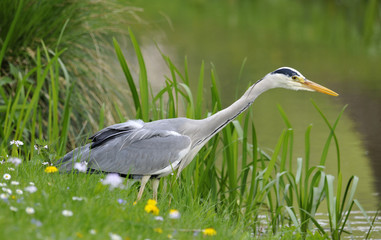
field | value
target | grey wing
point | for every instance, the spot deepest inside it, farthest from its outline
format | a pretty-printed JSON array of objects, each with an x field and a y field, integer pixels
[
  {"x": 140, "y": 152},
  {"x": 115, "y": 131}
]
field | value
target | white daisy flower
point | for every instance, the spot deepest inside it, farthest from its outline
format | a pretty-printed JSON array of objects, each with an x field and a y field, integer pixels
[
  {"x": 14, "y": 209},
  {"x": 93, "y": 231},
  {"x": 31, "y": 189},
  {"x": 45, "y": 163},
  {"x": 7, "y": 190},
  {"x": 11, "y": 169},
  {"x": 77, "y": 198},
  {"x": 3, "y": 184},
  {"x": 114, "y": 236},
  {"x": 174, "y": 214},
  {"x": 112, "y": 179},
  {"x": 31, "y": 183},
  {"x": 15, "y": 161},
  {"x": 81, "y": 166},
  {"x": 4, "y": 196},
  {"x": 7, "y": 176},
  {"x": 29, "y": 210},
  {"x": 67, "y": 213},
  {"x": 15, "y": 183},
  {"x": 159, "y": 218},
  {"x": 19, "y": 191},
  {"x": 46, "y": 146}
]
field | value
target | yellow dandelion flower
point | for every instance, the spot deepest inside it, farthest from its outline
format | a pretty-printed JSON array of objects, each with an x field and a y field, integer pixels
[
  {"x": 13, "y": 197},
  {"x": 209, "y": 232},
  {"x": 79, "y": 235},
  {"x": 151, "y": 209},
  {"x": 151, "y": 202},
  {"x": 158, "y": 230},
  {"x": 51, "y": 169},
  {"x": 169, "y": 236},
  {"x": 134, "y": 203}
]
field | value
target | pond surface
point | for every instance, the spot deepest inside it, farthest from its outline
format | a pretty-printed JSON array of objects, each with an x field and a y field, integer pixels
[{"x": 228, "y": 33}]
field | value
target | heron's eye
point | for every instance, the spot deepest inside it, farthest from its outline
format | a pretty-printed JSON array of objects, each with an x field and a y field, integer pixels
[{"x": 294, "y": 77}]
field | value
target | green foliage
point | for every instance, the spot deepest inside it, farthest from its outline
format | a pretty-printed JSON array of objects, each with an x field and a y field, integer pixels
[{"x": 84, "y": 29}]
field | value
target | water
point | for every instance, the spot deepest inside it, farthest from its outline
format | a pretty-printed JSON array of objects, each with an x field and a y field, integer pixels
[{"x": 227, "y": 33}]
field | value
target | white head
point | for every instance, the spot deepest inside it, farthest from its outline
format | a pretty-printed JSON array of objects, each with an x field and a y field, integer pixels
[{"x": 289, "y": 78}]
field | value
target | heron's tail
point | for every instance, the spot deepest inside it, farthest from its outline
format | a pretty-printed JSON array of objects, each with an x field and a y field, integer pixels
[{"x": 66, "y": 163}]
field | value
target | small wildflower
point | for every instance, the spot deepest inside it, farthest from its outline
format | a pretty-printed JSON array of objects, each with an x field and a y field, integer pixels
[
  {"x": 35, "y": 147},
  {"x": 114, "y": 236},
  {"x": 29, "y": 210},
  {"x": 79, "y": 235},
  {"x": 19, "y": 191},
  {"x": 31, "y": 183},
  {"x": 46, "y": 146},
  {"x": 11, "y": 169},
  {"x": 121, "y": 201},
  {"x": 4, "y": 196},
  {"x": 15, "y": 161},
  {"x": 159, "y": 218},
  {"x": 67, "y": 213},
  {"x": 13, "y": 209},
  {"x": 51, "y": 169},
  {"x": 209, "y": 232},
  {"x": 36, "y": 222},
  {"x": 13, "y": 197},
  {"x": 31, "y": 189},
  {"x": 152, "y": 209},
  {"x": 158, "y": 230},
  {"x": 174, "y": 214},
  {"x": 7, "y": 176},
  {"x": 135, "y": 203},
  {"x": 7, "y": 190},
  {"x": 169, "y": 236},
  {"x": 151, "y": 202},
  {"x": 3, "y": 184},
  {"x": 77, "y": 198},
  {"x": 16, "y": 142},
  {"x": 45, "y": 163},
  {"x": 93, "y": 231},
  {"x": 81, "y": 166},
  {"x": 15, "y": 183},
  {"x": 112, "y": 179}
]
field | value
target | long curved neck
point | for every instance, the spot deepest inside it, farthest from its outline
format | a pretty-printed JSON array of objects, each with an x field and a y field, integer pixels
[{"x": 219, "y": 120}]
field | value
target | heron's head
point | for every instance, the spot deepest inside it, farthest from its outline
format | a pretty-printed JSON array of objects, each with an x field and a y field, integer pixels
[{"x": 289, "y": 78}]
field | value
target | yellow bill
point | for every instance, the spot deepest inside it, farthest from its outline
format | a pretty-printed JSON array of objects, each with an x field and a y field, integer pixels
[{"x": 318, "y": 88}]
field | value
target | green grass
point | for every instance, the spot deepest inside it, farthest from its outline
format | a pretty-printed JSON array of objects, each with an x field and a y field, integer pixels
[{"x": 100, "y": 210}]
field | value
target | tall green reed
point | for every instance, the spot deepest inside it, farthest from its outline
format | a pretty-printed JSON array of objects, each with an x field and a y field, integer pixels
[{"x": 22, "y": 110}]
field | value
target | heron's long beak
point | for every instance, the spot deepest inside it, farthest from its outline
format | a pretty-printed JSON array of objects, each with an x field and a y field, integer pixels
[{"x": 318, "y": 88}]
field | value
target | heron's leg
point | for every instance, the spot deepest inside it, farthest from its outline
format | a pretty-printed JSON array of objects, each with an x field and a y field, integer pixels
[
  {"x": 155, "y": 186},
  {"x": 142, "y": 185}
]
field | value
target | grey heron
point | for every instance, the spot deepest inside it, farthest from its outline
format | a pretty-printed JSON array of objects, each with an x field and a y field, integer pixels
[{"x": 155, "y": 149}]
